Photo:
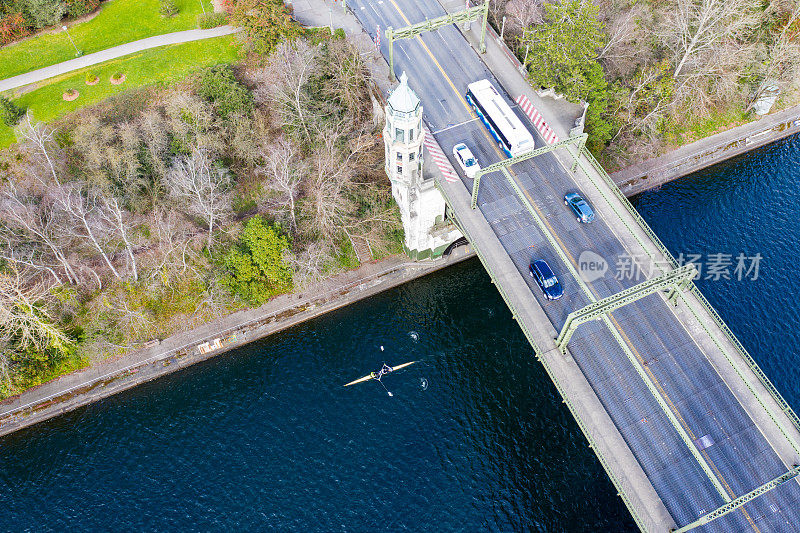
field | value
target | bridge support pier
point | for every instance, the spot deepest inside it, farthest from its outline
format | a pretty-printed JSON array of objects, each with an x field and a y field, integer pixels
[{"x": 427, "y": 233}]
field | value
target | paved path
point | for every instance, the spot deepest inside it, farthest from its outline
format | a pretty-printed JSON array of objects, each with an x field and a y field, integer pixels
[{"x": 113, "y": 53}]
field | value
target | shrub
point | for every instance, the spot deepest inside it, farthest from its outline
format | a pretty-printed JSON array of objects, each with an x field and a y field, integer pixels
[
  {"x": 43, "y": 12},
  {"x": 76, "y": 8},
  {"x": 255, "y": 266},
  {"x": 212, "y": 20},
  {"x": 168, "y": 8},
  {"x": 217, "y": 84},
  {"x": 10, "y": 113},
  {"x": 13, "y": 26},
  {"x": 265, "y": 23}
]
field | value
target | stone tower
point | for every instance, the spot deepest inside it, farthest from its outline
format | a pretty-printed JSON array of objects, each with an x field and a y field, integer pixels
[{"x": 422, "y": 207}]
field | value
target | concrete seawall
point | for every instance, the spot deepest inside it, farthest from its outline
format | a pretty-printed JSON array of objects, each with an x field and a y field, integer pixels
[
  {"x": 219, "y": 336},
  {"x": 707, "y": 151}
]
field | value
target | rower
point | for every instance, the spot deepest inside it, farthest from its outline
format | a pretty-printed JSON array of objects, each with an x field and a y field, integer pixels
[{"x": 385, "y": 369}]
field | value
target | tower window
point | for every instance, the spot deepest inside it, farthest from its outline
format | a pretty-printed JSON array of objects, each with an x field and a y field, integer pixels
[
  {"x": 411, "y": 156},
  {"x": 399, "y": 169},
  {"x": 411, "y": 135},
  {"x": 399, "y": 135},
  {"x": 399, "y": 156}
]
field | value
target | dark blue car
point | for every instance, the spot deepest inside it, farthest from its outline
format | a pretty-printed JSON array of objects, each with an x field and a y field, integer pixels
[
  {"x": 546, "y": 280},
  {"x": 583, "y": 211}
]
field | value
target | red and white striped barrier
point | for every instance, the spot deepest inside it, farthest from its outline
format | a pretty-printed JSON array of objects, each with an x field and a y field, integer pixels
[
  {"x": 438, "y": 156},
  {"x": 548, "y": 134}
]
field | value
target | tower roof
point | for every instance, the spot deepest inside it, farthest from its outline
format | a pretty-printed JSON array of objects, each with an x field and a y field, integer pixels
[{"x": 403, "y": 99}]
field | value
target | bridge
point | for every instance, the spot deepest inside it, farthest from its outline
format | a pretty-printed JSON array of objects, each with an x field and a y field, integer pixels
[{"x": 689, "y": 429}]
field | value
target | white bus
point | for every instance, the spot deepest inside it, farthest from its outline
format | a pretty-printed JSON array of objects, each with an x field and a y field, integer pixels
[{"x": 501, "y": 122}]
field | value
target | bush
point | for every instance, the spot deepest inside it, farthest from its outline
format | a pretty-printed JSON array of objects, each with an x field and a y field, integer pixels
[
  {"x": 207, "y": 21},
  {"x": 13, "y": 26},
  {"x": 43, "y": 12},
  {"x": 265, "y": 23},
  {"x": 217, "y": 84},
  {"x": 168, "y": 8},
  {"x": 10, "y": 113},
  {"x": 255, "y": 266},
  {"x": 76, "y": 8}
]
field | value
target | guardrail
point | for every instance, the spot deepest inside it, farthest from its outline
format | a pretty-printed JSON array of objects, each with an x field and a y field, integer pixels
[{"x": 776, "y": 395}]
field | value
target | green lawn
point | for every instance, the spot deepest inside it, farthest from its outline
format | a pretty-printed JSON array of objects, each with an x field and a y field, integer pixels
[
  {"x": 157, "y": 65},
  {"x": 118, "y": 22}
]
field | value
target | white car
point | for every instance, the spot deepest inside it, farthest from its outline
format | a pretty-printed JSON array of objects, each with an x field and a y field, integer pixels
[{"x": 465, "y": 158}]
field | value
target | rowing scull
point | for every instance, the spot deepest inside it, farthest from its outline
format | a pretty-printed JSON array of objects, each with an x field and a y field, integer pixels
[{"x": 374, "y": 375}]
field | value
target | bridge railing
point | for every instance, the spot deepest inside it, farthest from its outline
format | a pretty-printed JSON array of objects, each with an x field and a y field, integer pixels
[{"x": 773, "y": 391}]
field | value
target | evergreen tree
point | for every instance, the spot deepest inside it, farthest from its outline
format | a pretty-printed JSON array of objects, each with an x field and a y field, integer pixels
[
  {"x": 10, "y": 113},
  {"x": 255, "y": 265}
]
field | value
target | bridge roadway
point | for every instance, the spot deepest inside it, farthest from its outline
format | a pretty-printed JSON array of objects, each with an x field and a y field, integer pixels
[{"x": 658, "y": 374}]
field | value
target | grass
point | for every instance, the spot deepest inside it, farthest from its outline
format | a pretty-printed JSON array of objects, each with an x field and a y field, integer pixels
[
  {"x": 701, "y": 128},
  {"x": 118, "y": 22},
  {"x": 158, "y": 65}
]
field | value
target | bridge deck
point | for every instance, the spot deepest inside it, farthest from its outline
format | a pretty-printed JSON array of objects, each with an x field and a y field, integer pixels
[{"x": 662, "y": 376}]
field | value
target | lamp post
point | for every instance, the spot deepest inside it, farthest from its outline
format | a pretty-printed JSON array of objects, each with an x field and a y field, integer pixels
[{"x": 77, "y": 52}]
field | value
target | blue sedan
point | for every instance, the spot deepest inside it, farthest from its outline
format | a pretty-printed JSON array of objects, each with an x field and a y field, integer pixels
[
  {"x": 546, "y": 280},
  {"x": 583, "y": 211}
]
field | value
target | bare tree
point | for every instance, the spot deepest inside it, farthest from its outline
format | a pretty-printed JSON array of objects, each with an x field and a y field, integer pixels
[
  {"x": 520, "y": 15},
  {"x": 782, "y": 61},
  {"x": 41, "y": 138},
  {"x": 175, "y": 242},
  {"x": 24, "y": 319},
  {"x": 284, "y": 172},
  {"x": 116, "y": 218},
  {"x": 622, "y": 51},
  {"x": 201, "y": 187},
  {"x": 83, "y": 207},
  {"x": 694, "y": 30},
  {"x": 309, "y": 265},
  {"x": 31, "y": 222},
  {"x": 283, "y": 83}
]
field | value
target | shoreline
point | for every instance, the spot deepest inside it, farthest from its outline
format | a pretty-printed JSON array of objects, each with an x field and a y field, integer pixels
[
  {"x": 708, "y": 151},
  {"x": 106, "y": 378}
]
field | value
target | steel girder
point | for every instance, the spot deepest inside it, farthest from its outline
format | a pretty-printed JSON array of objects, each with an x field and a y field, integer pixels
[
  {"x": 741, "y": 500},
  {"x": 409, "y": 32},
  {"x": 675, "y": 279},
  {"x": 580, "y": 140}
]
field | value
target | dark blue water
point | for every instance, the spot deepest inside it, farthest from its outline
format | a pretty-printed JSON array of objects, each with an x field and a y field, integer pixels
[
  {"x": 749, "y": 206},
  {"x": 474, "y": 438}
]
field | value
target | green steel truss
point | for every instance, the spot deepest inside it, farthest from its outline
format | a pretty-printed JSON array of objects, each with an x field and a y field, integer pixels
[
  {"x": 741, "y": 500},
  {"x": 673, "y": 280},
  {"x": 409, "y": 32},
  {"x": 580, "y": 140}
]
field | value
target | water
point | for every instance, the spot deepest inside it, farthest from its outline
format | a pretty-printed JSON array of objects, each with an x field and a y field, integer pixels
[{"x": 474, "y": 438}]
